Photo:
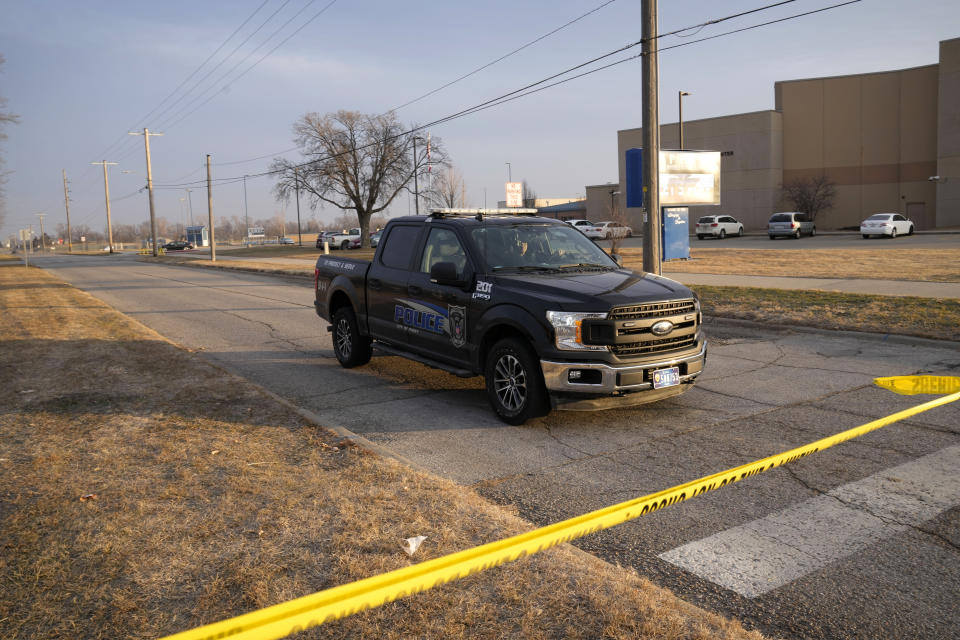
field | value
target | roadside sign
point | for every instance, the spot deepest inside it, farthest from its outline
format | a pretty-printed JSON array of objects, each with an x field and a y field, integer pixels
[
  {"x": 255, "y": 232},
  {"x": 514, "y": 194}
]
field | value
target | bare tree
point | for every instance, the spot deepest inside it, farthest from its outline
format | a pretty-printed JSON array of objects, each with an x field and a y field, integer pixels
[
  {"x": 448, "y": 190},
  {"x": 529, "y": 195},
  {"x": 5, "y": 118},
  {"x": 354, "y": 161},
  {"x": 810, "y": 195}
]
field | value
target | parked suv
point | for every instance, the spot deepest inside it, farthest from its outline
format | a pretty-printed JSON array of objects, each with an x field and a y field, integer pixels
[
  {"x": 791, "y": 224},
  {"x": 718, "y": 227}
]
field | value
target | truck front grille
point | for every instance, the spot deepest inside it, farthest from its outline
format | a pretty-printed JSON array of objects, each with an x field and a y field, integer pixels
[
  {"x": 653, "y": 310},
  {"x": 649, "y": 347}
]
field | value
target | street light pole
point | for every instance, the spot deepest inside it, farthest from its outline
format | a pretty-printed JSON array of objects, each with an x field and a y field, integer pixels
[
  {"x": 296, "y": 178},
  {"x": 190, "y": 204},
  {"x": 246, "y": 212},
  {"x": 416, "y": 186},
  {"x": 43, "y": 241},
  {"x": 680, "y": 100}
]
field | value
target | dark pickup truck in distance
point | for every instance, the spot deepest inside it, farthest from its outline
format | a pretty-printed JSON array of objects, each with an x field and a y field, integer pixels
[{"x": 530, "y": 303}]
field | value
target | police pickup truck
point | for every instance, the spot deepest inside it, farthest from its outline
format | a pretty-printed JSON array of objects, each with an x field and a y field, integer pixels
[{"x": 530, "y": 303}]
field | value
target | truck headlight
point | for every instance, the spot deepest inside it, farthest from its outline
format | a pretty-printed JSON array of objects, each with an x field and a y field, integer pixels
[{"x": 567, "y": 328}]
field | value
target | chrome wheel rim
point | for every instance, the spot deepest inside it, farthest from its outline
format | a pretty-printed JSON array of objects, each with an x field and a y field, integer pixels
[
  {"x": 510, "y": 382},
  {"x": 343, "y": 338}
]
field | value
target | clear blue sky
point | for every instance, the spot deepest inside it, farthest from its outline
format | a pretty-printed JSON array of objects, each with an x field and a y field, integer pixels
[{"x": 82, "y": 74}]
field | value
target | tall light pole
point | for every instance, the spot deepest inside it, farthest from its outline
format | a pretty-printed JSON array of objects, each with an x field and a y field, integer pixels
[
  {"x": 66, "y": 203},
  {"x": 246, "y": 212},
  {"x": 43, "y": 241},
  {"x": 416, "y": 186},
  {"x": 680, "y": 100},
  {"x": 106, "y": 197},
  {"x": 296, "y": 179},
  {"x": 190, "y": 204},
  {"x": 182, "y": 227},
  {"x": 213, "y": 243},
  {"x": 153, "y": 218}
]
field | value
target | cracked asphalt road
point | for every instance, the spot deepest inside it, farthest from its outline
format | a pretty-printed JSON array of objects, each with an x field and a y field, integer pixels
[{"x": 762, "y": 392}]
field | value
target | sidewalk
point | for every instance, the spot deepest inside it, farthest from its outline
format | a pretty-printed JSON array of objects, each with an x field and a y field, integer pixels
[{"x": 843, "y": 285}]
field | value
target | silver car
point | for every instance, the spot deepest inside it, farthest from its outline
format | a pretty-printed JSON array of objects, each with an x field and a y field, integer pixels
[{"x": 790, "y": 224}]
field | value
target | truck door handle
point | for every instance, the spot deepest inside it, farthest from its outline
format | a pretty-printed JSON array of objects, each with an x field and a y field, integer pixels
[
  {"x": 374, "y": 283},
  {"x": 414, "y": 290}
]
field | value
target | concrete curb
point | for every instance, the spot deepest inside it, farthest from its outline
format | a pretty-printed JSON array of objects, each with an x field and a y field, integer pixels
[{"x": 737, "y": 323}]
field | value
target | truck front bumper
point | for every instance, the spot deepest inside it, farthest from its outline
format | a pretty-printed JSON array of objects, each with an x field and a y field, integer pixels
[{"x": 598, "y": 378}]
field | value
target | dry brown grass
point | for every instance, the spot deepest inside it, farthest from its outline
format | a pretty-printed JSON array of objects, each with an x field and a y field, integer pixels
[
  {"x": 207, "y": 500},
  {"x": 935, "y": 265},
  {"x": 905, "y": 316}
]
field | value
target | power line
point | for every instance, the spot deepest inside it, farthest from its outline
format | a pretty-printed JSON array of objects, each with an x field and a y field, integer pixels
[
  {"x": 504, "y": 98},
  {"x": 535, "y": 88},
  {"x": 187, "y": 79},
  {"x": 634, "y": 57},
  {"x": 503, "y": 57},
  {"x": 182, "y": 117}
]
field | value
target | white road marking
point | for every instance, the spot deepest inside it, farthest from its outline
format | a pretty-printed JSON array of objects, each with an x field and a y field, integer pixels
[{"x": 762, "y": 555}]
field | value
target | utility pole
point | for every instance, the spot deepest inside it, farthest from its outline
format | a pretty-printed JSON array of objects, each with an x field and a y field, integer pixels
[
  {"x": 153, "y": 218},
  {"x": 213, "y": 244},
  {"x": 416, "y": 188},
  {"x": 106, "y": 195},
  {"x": 296, "y": 178},
  {"x": 43, "y": 242},
  {"x": 66, "y": 203},
  {"x": 651, "y": 137},
  {"x": 246, "y": 212},
  {"x": 680, "y": 122},
  {"x": 190, "y": 204}
]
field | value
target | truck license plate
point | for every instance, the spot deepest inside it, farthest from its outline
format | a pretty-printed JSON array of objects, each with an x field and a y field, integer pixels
[{"x": 666, "y": 377}]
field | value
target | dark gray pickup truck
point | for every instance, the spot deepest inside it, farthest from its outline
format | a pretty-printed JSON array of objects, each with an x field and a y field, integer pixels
[{"x": 530, "y": 303}]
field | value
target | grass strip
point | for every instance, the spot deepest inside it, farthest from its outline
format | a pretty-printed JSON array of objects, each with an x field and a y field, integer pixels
[
  {"x": 144, "y": 492},
  {"x": 906, "y": 316}
]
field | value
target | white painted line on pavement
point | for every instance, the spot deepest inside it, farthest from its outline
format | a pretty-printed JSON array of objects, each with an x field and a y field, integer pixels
[{"x": 765, "y": 554}]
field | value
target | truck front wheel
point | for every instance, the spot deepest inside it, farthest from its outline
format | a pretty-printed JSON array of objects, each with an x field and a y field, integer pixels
[
  {"x": 515, "y": 383},
  {"x": 351, "y": 349}
]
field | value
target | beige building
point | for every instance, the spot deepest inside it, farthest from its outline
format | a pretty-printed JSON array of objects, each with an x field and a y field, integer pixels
[{"x": 890, "y": 141}]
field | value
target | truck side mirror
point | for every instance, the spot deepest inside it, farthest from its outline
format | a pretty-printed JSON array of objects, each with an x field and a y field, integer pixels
[
  {"x": 617, "y": 258},
  {"x": 445, "y": 273}
]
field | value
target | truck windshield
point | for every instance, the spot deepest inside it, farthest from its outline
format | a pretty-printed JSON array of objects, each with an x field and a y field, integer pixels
[{"x": 538, "y": 247}]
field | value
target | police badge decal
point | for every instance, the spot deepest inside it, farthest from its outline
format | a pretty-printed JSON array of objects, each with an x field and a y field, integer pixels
[{"x": 457, "y": 317}]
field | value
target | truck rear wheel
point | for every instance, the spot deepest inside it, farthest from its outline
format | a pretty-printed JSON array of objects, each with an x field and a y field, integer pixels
[
  {"x": 351, "y": 348},
  {"x": 515, "y": 386}
]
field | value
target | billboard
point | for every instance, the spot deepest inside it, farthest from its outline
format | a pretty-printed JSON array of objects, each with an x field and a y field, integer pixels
[
  {"x": 686, "y": 177},
  {"x": 689, "y": 178}
]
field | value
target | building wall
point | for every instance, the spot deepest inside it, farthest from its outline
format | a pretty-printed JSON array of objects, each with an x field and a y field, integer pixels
[
  {"x": 751, "y": 165},
  {"x": 873, "y": 135},
  {"x": 948, "y": 135},
  {"x": 600, "y": 206}
]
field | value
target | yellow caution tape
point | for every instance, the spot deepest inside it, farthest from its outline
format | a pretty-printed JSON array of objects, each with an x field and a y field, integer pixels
[
  {"x": 914, "y": 385},
  {"x": 313, "y": 610}
]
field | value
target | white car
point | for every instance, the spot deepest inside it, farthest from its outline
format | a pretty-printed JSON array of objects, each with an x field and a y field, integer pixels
[
  {"x": 586, "y": 227},
  {"x": 886, "y": 224},
  {"x": 612, "y": 229},
  {"x": 718, "y": 227}
]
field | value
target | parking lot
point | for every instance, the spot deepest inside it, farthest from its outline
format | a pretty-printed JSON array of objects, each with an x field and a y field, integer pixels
[{"x": 762, "y": 392}]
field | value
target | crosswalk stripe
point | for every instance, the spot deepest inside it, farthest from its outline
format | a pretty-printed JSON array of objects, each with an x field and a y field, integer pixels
[{"x": 762, "y": 555}]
